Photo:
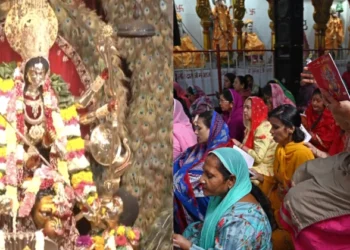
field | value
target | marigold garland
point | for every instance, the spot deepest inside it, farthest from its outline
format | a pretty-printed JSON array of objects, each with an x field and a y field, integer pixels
[
  {"x": 2, "y": 152},
  {"x": 123, "y": 237},
  {"x": 75, "y": 144},
  {"x": 6, "y": 85},
  {"x": 49, "y": 102},
  {"x": 69, "y": 114},
  {"x": 12, "y": 106},
  {"x": 99, "y": 242},
  {"x": 80, "y": 177},
  {"x": 2, "y": 122}
]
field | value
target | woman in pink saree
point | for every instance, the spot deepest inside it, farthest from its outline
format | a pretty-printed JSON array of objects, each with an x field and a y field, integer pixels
[{"x": 183, "y": 134}]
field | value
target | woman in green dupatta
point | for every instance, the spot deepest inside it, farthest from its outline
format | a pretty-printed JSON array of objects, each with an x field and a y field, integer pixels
[{"x": 236, "y": 216}]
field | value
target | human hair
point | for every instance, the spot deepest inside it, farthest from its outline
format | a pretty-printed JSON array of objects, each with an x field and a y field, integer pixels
[
  {"x": 248, "y": 75},
  {"x": 267, "y": 90},
  {"x": 316, "y": 92},
  {"x": 231, "y": 77},
  {"x": 226, "y": 93},
  {"x": 290, "y": 117},
  {"x": 265, "y": 204},
  {"x": 256, "y": 192},
  {"x": 131, "y": 207},
  {"x": 44, "y": 192},
  {"x": 206, "y": 116},
  {"x": 175, "y": 94},
  {"x": 183, "y": 103},
  {"x": 190, "y": 90},
  {"x": 250, "y": 83},
  {"x": 243, "y": 81}
]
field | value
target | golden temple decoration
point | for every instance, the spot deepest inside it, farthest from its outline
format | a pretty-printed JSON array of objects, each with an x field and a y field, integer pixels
[
  {"x": 321, "y": 17},
  {"x": 203, "y": 11},
  {"x": 238, "y": 14},
  {"x": 187, "y": 59},
  {"x": 223, "y": 28},
  {"x": 270, "y": 12},
  {"x": 251, "y": 42},
  {"x": 334, "y": 36},
  {"x": 31, "y": 29}
]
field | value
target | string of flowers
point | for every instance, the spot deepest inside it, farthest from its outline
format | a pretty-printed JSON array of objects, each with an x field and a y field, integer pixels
[
  {"x": 50, "y": 102},
  {"x": 124, "y": 238},
  {"x": 78, "y": 166},
  {"x": 6, "y": 88}
]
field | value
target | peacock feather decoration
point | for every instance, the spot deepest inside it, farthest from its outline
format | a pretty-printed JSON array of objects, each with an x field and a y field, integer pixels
[{"x": 150, "y": 113}]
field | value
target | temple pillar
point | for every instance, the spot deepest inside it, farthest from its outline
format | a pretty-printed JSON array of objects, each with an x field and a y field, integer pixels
[
  {"x": 289, "y": 38},
  {"x": 321, "y": 16},
  {"x": 203, "y": 11},
  {"x": 238, "y": 14},
  {"x": 271, "y": 12}
]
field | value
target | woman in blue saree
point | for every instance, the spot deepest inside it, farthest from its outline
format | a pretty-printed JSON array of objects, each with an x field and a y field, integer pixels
[{"x": 190, "y": 204}]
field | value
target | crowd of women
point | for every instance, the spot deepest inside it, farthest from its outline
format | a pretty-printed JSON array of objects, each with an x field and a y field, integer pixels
[{"x": 287, "y": 199}]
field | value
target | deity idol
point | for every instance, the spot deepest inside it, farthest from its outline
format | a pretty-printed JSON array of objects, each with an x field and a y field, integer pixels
[
  {"x": 187, "y": 59},
  {"x": 251, "y": 41},
  {"x": 223, "y": 27},
  {"x": 334, "y": 32},
  {"x": 44, "y": 173},
  {"x": 34, "y": 130}
]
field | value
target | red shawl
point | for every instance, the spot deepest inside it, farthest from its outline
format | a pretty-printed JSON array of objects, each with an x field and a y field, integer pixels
[
  {"x": 259, "y": 114},
  {"x": 338, "y": 144},
  {"x": 321, "y": 128},
  {"x": 182, "y": 94}
]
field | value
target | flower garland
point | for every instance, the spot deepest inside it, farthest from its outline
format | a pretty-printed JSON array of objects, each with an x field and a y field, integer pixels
[
  {"x": 78, "y": 166},
  {"x": 8, "y": 168},
  {"x": 64, "y": 130},
  {"x": 50, "y": 103},
  {"x": 123, "y": 238},
  {"x": 58, "y": 125}
]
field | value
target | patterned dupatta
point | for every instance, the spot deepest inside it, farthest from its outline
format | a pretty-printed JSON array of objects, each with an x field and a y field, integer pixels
[
  {"x": 278, "y": 96},
  {"x": 189, "y": 202}
]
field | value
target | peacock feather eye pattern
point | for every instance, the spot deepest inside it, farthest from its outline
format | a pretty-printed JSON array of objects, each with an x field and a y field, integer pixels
[{"x": 149, "y": 119}]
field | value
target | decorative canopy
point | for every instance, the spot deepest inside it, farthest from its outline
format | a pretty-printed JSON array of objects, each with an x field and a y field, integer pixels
[{"x": 31, "y": 29}]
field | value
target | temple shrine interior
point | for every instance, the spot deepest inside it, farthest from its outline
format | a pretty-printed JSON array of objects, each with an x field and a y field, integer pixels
[{"x": 247, "y": 30}]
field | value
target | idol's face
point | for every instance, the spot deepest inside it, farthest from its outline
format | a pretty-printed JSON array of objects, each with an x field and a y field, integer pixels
[
  {"x": 44, "y": 217},
  {"x": 250, "y": 27},
  {"x": 36, "y": 75}
]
